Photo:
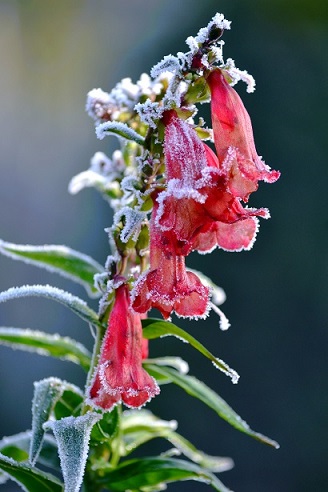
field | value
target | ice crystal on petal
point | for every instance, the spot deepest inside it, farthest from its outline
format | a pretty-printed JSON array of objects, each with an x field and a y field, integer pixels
[{"x": 120, "y": 375}]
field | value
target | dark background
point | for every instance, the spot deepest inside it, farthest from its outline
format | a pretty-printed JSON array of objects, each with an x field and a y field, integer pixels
[{"x": 51, "y": 54}]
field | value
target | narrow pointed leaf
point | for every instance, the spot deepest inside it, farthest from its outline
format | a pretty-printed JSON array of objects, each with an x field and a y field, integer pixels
[
  {"x": 72, "y": 436},
  {"x": 199, "y": 390},
  {"x": 46, "y": 344},
  {"x": 74, "y": 303},
  {"x": 139, "y": 427},
  {"x": 121, "y": 130},
  {"x": 135, "y": 474},
  {"x": 46, "y": 393},
  {"x": 65, "y": 261},
  {"x": 154, "y": 328},
  {"x": 18, "y": 445},
  {"x": 30, "y": 479}
]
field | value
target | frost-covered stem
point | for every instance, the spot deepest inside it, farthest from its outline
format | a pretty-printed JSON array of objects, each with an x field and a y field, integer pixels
[{"x": 99, "y": 334}]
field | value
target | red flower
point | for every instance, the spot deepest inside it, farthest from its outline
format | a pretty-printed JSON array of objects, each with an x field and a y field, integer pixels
[
  {"x": 120, "y": 375},
  {"x": 234, "y": 141},
  {"x": 197, "y": 200},
  {"x": 167, "y": 285}
]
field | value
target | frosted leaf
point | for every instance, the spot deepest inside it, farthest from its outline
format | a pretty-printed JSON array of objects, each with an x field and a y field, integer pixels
[
  {"x": 46, "y": 393},
  {"x": 77, "y": 305},
  {"x": 236, "y": 75},
  {"x": 177, "y": 363},
  {"x": 149, "y": 112},
  {"x": 72, "y": 435},
  {"x": 56, "y": 259},
  {"x": 120, "y": 130},
  {"x": 169, "y": 63},
  {"x": 133, "y": 221},
  {"x": 132, "y": 419}
]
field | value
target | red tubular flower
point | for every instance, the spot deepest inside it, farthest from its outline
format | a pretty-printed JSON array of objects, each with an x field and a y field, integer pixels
[
  {"x": 197, "y": 200},
  {"x": 167, "y": 285},
  {"x": 234, "y": 141},
  {"x": 120, "y": 375}
]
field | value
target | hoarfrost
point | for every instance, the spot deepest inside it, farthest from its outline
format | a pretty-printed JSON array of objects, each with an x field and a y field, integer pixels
[
  {"x": 236, "y": 74},
  {"x": 72, "y": 436},
  {"x": 46, "y": 394},
  {"x": 120, "y": 130},
  {"x": 133, "y": 221}
]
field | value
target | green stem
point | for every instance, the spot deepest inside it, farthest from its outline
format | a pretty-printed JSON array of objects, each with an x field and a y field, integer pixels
[
  {"x": 94, "y": 360},
  {"x": 116, "y": 443}
]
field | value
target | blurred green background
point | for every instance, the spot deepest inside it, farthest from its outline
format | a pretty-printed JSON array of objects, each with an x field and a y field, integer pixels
[{"x": 51, "y": 54}]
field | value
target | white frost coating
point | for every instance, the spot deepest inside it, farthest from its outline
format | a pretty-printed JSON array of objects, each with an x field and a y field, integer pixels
[
  {"x": 133, "y": 221},
  {"x": 12, "y": 251},
  {"x": 72, "y": 436},
  {"x": 46, "y": 394},
  {"x": 77, "y": 305},
  {"x": 227, "y": 370},
  {"x": 38, "y": 336},
  {"x": 224, "y": 322},
  {"x": 97, "y": 104},
  {"x": 149, "y": 112},
  {"x": 120, "y": 130},
  {"x": 218, "y": 21},
  {"x": 236, "y": 74},
  {"x": 169, "y": 63},
  {"x": 176, "y": 362},
  {"x": 135, "y": 418}
]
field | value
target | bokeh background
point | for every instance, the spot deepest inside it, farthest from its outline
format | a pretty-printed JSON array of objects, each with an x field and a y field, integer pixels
[{"x": 51, "y": 55}]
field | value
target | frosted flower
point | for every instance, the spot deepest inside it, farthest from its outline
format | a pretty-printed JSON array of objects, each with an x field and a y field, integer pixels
[
  {"x": 197, "y": 206},
  {"x": 167, "y": 285},
  {"x": 234, "y": 141},
  {"x": 120, "y": 375}
]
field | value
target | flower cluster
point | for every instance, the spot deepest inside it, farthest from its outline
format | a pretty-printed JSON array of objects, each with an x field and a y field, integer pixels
[{"x": 172, "y": 195}]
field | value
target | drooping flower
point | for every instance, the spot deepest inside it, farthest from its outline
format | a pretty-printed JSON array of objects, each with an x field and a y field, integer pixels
[
  {"x": 197, "y": 200},
  {"x": 120, "y": 375},
  {"x": 167, "y": 285},
  {"x": 234, "y": 140}
]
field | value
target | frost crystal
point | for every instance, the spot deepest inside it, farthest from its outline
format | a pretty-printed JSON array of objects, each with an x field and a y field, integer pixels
[
  {"x": 149, "y": 112},
  {"x": 236, "y": 75},
  {"x": 72, "y": 436},
  {"x": 133, "y": 221}
]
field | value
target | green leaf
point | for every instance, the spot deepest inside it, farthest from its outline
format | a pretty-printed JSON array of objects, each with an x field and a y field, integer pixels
[
  {"x": 58, "y": 259},
  {"x": 199, "y": 390},
  {"x": 142, "y": 474},
  {"x": 74, "y": 303},
  {"x": 18, "y": 445},
  {"x": 69, "y": 403},
  {"x": 106, "y": 428},
  {"x": 30, "y": 479},
  {"x": 72, "y": 435},
  {"x": 46, "y": 393},
  {"x": 154, "y": 328},
  {"x": 46, "y": 344},
  {"x": 119, "y": 129},
  {"x": 140, "y": 426}
]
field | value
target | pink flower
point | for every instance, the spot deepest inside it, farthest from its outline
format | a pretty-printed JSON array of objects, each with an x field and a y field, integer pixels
[
  {"x": 234, "y": 141},
  {"x": 197, "y": 200},
  {"x": 167, "y": 285},
  {"x": 120, "y": 375}
]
